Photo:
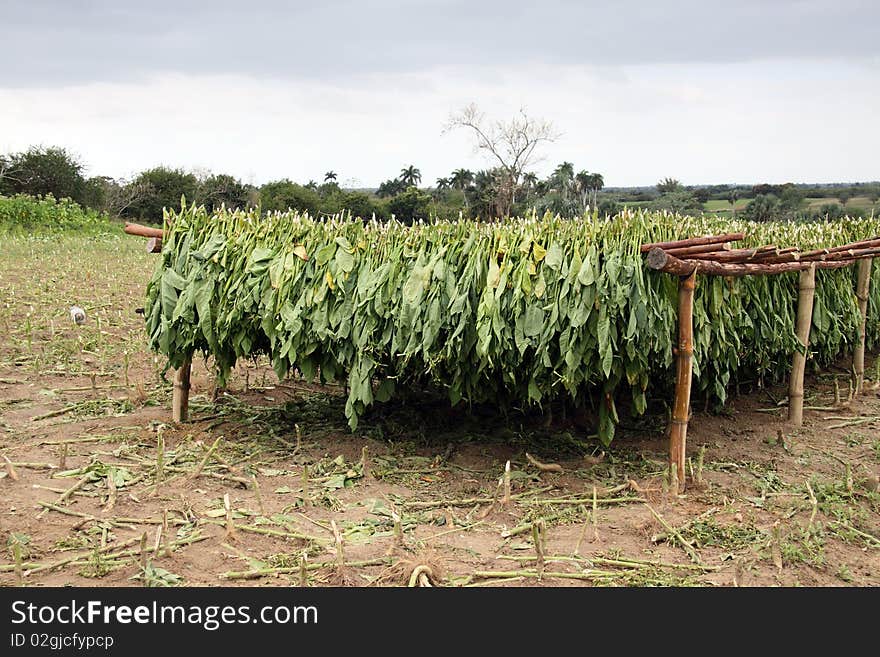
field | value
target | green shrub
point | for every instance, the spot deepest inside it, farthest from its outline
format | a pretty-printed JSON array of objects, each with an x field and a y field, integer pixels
[{"x": 46, "y": 213}]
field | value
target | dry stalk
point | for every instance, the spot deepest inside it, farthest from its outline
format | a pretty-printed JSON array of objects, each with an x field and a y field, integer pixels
[
  {"x": 672, "y": 531},
  {"x": 10, "y": 469},
  {"x": 365, "y": 463},
  {"x": 143, "y": 551},
  {"x": 305, "y": 486},
  {"x": 698, "y": 475},
  {"x": 230, "y": 525},
  {"x": 19, "y": 569},
  {"x": 198, "y": 471},
  {"x": 111, "y": 493},
  {"x": 543, "y": 467},
  {"x": 303, "y": 572},
  {"x": 505, "y": 498},
  {"x": 538, "y": 528},
  {"x": 340, "y": 554},
  {"x": 160, "y": 456},
  {"x": 168, "y": 549},
  {"x": 259, "y": 495},
  {"x": 421, "y": 576},
  {"x": 776, "y": 546},
  {"x": 815, "y": 505}
]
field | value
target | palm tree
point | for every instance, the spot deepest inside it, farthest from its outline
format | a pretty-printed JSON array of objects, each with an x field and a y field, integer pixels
[
  {"x": 391, "y": 187},
  {"x": 597, "y": 182},
  {"x": 564, "y": 171},
  {"x": 529, "y": 183},
  {"x": 443, "y": 183},
  {"x": 668, "y": 185},
  {"x": 410, "y": 175},
  {"x": 312, "y": 185},
  {"x": 563, "y": 177},
  {"x": 330, "y": 175},
  {"x": 582, "y": 183},
  {"x": 461, "y": 178}
]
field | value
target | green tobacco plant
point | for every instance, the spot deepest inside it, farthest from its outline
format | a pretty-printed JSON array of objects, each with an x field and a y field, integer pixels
[{"x": 523, "y": 311}]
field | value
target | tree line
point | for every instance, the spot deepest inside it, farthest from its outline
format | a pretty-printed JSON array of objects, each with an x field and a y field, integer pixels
[
  {"x": 507, "y": 188},
  {"x": 41, "y": 171}
]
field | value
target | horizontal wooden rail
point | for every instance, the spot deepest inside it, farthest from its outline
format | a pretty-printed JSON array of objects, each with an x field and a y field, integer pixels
[
  {"x": 694, "y": 241},
  {"x": 143, "y": 231},
  {"x": 661, "y": 261}
]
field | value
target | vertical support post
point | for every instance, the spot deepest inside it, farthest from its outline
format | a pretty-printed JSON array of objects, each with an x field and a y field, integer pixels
[
  {"x": 180, "y": 397},
  {"x": 863, "y": 286},
  {"x": 684, "y": 370},
  {"x": 806, "y": 292}
]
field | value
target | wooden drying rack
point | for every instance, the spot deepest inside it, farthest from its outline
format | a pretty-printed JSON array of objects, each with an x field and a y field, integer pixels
[
  {"x": 714, "y": 256},
  {"x": 711, "y": 256}
]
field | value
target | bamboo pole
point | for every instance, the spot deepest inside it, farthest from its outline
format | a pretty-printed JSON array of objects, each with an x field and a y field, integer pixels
[
  {"x": 806, "y": 292},
  {"x": 822, "y": 254},
  {"x": 757, "y": 255},
  {"x": 662, "y": 261},
  {"x": 684, "y": 370},
  {"x": 180, "y": 397},
  {"x": 725, "y": 255},
  {"x": 848, "y": 254},
  {"x": 700, "y": 249},
  {"x": 862, "y": 288},
  {"x": 694, "y": 241}
]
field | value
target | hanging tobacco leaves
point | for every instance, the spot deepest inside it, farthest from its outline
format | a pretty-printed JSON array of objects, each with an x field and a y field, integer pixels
[{"x": 524, "y": 311}]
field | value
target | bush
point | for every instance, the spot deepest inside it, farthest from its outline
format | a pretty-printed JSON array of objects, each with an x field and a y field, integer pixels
[
  {"x": 37, "y": 214},
  {"x": 160, "y": 188},
  {"x": 410, "y": 206},
  {"x": 40, "y": 171},
  {"x": 283, "y": 195}
]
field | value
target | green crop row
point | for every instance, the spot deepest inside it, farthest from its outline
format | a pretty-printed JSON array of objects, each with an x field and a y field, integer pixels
[
  {"x": 23, "y": 213},
  {"x": 518, "y": 312}
]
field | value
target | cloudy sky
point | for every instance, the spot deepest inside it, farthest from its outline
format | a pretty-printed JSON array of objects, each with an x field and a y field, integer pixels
[{"x": 701, "y": 90}]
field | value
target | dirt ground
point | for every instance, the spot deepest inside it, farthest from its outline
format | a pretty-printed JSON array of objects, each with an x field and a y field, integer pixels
[{"x": 267, "y": 486}]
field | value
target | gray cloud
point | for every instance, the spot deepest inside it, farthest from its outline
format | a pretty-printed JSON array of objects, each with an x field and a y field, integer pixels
[{"x": 63, "y": 42}]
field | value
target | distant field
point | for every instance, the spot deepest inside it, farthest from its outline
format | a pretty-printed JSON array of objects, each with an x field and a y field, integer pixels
[
  {"x": 714, "y": 205},
  {"x": 855, "y": 202}
]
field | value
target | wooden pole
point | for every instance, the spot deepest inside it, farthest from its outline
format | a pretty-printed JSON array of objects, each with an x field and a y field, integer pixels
[
  {"x": 806, "y": 292},
  {"x": 180, "y": 397},
  {"x": 143, "y": 231},
  {"x": 688, "y": 251},
  {"x": 694, "y": 241},
  {"x": 684, "y": 370},
  {"x": 863, "y": 286},
  {"x": 662, "y": 261}
]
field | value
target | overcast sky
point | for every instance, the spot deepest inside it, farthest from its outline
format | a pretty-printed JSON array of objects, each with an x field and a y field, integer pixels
[{"x": 701, "y": 90}]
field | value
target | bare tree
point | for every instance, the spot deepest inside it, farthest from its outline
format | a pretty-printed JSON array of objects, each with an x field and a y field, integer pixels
[
  {"x": 7, "y": 170},
  {"x": 119, "y": 195},
  {"x": 511, "y": 143}
]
